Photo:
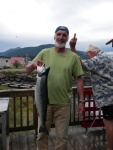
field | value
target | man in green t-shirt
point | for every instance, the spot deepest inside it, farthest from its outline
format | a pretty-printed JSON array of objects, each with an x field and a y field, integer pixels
[{"x": 64, "y": 65}]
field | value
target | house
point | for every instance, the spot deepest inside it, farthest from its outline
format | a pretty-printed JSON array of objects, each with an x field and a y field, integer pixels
[
  {"x": 4, "y": 62},
  {"x": 18, "y": 59}
]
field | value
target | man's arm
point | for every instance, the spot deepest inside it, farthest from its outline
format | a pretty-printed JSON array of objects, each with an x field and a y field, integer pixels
[
  {"x": 80, "y": 89},
  {"x": 72, "y": 43},
  {"x": 29, "y": 68}
]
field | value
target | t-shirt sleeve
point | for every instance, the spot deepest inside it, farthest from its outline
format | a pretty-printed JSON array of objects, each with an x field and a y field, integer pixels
[
  {"x": 39, "y": 56},
  {"x": 77, "y": 71}
]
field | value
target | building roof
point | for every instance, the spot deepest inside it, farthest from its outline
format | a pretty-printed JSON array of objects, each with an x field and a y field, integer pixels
[{"x": 13, "y": 59}]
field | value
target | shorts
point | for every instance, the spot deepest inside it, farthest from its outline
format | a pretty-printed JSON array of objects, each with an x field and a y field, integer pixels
[{"x": 108, "y": 112}]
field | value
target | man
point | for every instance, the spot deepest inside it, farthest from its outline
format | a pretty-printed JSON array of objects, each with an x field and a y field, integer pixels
[
  {"x": 100, "y": 66},
  {"x": 63, "y": 65}
]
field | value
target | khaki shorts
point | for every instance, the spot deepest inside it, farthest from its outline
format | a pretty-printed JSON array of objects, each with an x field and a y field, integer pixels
[{"x": 108, "y": 112}]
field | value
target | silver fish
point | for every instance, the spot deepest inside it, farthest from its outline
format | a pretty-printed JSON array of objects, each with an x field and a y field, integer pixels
[{"x": 41, "y": 96}]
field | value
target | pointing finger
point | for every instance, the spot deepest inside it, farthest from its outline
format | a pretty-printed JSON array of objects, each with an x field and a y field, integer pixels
[{"x": 74, "y": 35}]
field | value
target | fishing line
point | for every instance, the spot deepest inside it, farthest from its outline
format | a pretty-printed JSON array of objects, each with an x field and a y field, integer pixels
[
  {"x": 50, "y": 136},
  {"x": 87, "y": 133}
]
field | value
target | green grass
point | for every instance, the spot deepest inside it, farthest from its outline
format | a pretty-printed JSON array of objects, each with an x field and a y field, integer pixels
[
  {"x": 24, "y": 109},
  {"x": 4, "y": 87}
]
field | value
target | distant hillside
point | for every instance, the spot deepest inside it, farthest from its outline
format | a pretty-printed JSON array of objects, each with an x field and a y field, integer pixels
[{"x": 31, "y": 51}]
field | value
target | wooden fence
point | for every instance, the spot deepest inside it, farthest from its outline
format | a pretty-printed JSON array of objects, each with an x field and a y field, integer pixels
[{"x": 22, "y": 110}]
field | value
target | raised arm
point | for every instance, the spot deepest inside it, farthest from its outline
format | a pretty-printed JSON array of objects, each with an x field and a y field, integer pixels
[{"x": 72, "y": 43}]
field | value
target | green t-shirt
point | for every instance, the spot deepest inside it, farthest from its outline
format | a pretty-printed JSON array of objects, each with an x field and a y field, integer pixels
[{"x": 62, "y": 67}]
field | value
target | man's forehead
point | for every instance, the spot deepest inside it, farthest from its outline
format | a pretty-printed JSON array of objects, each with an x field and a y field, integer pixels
[
  {"x": 62, "y": 28},
  {"x": 61, "y": 31}
]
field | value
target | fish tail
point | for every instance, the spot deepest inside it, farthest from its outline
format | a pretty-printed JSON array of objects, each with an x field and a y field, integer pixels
[{"x": 43, "y": 129}]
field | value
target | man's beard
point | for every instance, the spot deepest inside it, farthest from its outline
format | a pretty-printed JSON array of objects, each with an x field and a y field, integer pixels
[{"x": 60, "y": 45}]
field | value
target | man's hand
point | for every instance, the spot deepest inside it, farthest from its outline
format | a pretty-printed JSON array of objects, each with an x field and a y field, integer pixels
[
  {"x": 39, "y": 63},
  {"x": 81, "y": 109},
  {"x": 72, "y": 43},
  {"x": 29, "y": 68}
]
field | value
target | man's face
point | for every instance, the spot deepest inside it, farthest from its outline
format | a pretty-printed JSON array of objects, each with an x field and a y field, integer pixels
[
  {"x": 91, "y": 54},
  {"x": 61, "y": 37}
]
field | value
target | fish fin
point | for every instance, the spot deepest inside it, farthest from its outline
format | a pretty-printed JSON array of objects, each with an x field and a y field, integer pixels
[{"x": 43, "y": 129}]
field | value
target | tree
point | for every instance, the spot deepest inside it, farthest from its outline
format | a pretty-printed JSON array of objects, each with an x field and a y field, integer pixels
[{"x": 16, "y": 64}]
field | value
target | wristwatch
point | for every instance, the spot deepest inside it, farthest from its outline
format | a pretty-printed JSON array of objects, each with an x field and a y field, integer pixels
[{"x": 82, "y": 101}]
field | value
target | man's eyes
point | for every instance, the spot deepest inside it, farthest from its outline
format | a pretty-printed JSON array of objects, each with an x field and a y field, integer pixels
[{"x": 59, "y": 34}]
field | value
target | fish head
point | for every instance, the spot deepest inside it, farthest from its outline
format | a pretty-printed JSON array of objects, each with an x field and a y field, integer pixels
[{"x": 42, "y": 70}]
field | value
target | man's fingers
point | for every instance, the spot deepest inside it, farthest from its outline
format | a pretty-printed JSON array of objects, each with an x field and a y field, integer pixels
[
  {"x": 39, "y": 62},
  {"x": 74, "y": 35}
]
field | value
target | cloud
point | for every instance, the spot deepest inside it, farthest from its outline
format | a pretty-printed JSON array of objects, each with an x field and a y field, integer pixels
[
  {"x": 109, "y": 53},
  {"x": 31, "y": 22}
]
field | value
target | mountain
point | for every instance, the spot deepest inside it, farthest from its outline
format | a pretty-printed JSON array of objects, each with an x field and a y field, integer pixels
[{"x": 31, "y": 51}]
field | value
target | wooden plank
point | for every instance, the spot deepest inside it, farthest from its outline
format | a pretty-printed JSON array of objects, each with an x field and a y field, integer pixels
[
  {"x": 95, "y": 140},
  {"x": 31, "y": 140},
  {"x": 14, "y": 144}
]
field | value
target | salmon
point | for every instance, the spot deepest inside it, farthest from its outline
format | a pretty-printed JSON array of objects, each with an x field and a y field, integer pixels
[{"x": 41, "y": 96}]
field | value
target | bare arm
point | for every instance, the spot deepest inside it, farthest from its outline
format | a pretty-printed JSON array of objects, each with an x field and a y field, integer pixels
[
  {"x": 80, "y": 89},
  {"x": 29, "y": 68},
  {"x": 72, "y": 43}
]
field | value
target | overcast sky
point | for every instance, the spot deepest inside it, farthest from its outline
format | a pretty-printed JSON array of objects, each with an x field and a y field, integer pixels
[{"x": 25, "y": 23}]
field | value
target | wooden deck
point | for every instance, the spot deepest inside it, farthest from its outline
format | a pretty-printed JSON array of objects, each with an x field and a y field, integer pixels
[
  {"x": 23, "y": 123},
  {"x": 95, "y": 140}
]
